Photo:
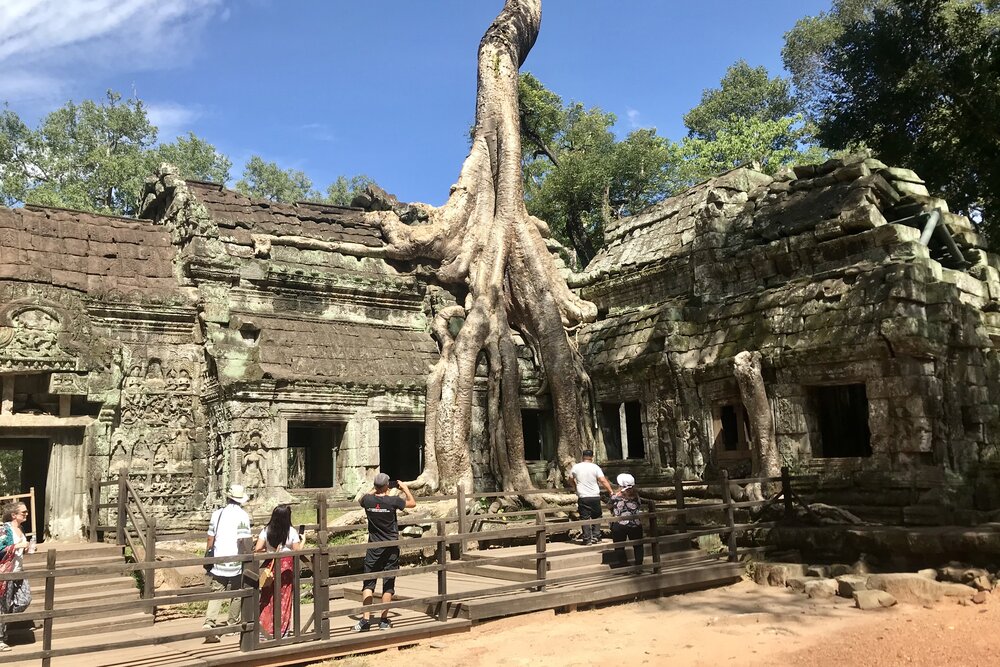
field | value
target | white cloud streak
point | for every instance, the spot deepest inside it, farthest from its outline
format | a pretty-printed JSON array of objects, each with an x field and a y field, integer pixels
[
  {"x": 633, "y": 117},
  {"x": 171, "y": 119}
]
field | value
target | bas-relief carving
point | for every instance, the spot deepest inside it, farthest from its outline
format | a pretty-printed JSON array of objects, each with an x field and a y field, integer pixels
[
  {"x": 30, "y": 338},
  {"x": 252, "y": 445}
]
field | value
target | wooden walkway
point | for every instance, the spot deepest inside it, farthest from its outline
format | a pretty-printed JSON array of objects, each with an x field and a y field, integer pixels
[{"x": 475, "y": 601}]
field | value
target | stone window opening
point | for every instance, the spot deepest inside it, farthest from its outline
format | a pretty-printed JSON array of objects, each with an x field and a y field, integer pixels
[
  {"x": 621, "y": 427},
  {"x": 839, "y": 426},
  {"x": 313, "y": 449},
  {"x": 731, "y": 431},
  {"x": 401, "y": 449}
]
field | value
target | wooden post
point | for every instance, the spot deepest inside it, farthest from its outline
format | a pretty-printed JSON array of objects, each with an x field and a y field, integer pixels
[
  {"x": 296, "y": 597},
  {"x": 654, "y": 532},
  {"x": 50, "y": 596},
  {"x": 149, "y": 576},
  {"x": 95, "y": 508},
  {"x": 276, "y": 596},
  {"x": 122, "y": 498},
  {"x": 682, "y": 524},
  {"x": 727, "y": 503},
  {"x": 442, "y": 578},
  {"x": 541, "y": 563},
  {"x": 251, "y": 606},
  {"x": 786, "y": 492},
  {"x": 34, "y": 526},
  {"x": 462, "y": 522},
  {"x": 321, "y": 570}
]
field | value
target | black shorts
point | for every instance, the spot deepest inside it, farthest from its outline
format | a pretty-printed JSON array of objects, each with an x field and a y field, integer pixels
[{"x": 380, "y": 560}]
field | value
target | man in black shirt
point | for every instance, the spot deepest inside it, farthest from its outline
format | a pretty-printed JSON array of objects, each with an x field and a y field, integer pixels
[{"x": 381, "y": 509}]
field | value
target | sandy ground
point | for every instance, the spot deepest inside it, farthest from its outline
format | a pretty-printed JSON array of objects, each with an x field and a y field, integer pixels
[{"x": 742, "y": 624}]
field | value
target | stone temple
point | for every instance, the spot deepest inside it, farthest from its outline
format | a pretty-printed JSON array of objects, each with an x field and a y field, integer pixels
[{"x": 220, "y": 339}]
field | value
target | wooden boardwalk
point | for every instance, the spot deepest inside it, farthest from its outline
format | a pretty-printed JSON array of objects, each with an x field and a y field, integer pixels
[{"x": 475, "y": 600}]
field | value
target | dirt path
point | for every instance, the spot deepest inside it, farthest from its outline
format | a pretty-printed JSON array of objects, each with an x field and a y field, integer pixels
[{"x": 744, "y": 623}]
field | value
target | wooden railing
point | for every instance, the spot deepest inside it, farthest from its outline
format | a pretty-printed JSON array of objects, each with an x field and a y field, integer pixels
[
  {"x": 133, "y": 525},
  {"x": 29, "y": 501},
  {"x": 663, "y": 527}
]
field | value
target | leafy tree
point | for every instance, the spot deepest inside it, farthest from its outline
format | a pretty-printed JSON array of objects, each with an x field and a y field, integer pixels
[
  {"x": 917, "y": 83},
  {"x": 343, "y": 190},
  {"x": 749, "y": 118},
  {"x": 266, "y": 180},
  {"x": 576, "y": 174},
  {"x": 196, "y": 158},
  {"x": 94, "y": 156}
]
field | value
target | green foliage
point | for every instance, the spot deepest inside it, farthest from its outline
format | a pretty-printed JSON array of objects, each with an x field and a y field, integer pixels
[
  {"x": 343, "y": 190},
  {"x": 197, "y": 159},
  {"x": 744, "y": 92},
  {"x": 577, "y": 175},
  {"x": 10, "y": 472},
  {"x": 94, "y": 156},
  {"x": 266, "y": 180},
  {"x": 917, "y": 82}
]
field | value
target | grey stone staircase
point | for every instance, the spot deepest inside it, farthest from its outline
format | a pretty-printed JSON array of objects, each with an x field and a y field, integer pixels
[{"x": 83, "y": 591}]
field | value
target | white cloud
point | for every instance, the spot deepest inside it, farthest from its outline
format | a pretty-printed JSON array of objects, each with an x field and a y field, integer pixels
[
  {"x": 171, "y": 119},
  {"x": 46, "y": 45},
  {"x": 633, "y": 117}
]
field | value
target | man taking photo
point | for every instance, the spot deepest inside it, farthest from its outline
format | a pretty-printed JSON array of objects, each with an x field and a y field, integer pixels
[{"x": 381, "y": 508}]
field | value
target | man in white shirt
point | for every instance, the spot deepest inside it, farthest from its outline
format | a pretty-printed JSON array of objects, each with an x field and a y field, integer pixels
[
  {"x": 227, "y": 527},
  {"x": 587, "y": 478}
]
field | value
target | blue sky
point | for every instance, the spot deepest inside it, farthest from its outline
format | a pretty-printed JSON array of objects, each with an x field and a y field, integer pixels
[{"x": 380, "y": 87}]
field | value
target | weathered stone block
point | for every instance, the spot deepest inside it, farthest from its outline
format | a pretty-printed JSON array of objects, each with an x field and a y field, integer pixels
[{"x": 867, "y": 600}]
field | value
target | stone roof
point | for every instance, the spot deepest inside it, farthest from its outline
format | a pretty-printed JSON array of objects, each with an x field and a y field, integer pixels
[
  {"x": 87, "y": 252},
  {"x": 232, "y": 210},
  {"x": 345, "y": 352}
]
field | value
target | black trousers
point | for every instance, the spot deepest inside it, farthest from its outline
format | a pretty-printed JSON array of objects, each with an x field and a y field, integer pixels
[
  {"x": 620, "y": 533},
  {"x": 589, "y": 508}
]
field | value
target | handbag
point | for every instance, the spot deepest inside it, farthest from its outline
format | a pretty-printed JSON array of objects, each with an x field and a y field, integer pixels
[
  {"x": 208, "y": 554},
  {"x": 21, "y": 598},
  {"x": 266, "y": 576}
]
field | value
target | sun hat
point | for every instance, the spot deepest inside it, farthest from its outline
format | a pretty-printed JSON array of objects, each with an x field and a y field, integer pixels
[
  {"x": 626, "y": 481},
  {"x": 237, "y": 494}
]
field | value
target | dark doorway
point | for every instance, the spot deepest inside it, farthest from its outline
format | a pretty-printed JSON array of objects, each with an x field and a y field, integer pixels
[
  {"x": 401, "y": 449},
  {"x": 633, "y": 430},
  {"x": 312, "y": 454},
  {"x": 841, "y": 414},
  {"x": 538, "y": 437},
  {"x": 31, "y": 458},
  {"x": 611, "y": 429}
]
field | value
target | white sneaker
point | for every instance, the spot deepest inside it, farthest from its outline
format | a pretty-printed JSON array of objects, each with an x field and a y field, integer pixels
[{"x": 4, "y": 647}]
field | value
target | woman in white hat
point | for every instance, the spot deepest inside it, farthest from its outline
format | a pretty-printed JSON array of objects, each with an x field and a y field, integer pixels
[{"x": 626, "y": 504}]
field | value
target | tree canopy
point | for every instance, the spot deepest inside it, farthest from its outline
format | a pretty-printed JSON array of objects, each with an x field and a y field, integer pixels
[
  {"x": 917, "y": 82},
  {"x": 95, "y": 156}
]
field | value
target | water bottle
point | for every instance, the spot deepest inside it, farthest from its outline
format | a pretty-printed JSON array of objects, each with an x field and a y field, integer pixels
[{"x": 32, "y": 545}]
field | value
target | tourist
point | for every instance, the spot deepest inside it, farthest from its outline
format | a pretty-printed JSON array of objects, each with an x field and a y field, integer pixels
[
  {"x": 587, "y": 478},
  {"x": 15, "y": 595},
  {"x": 278, "y": 535},
  {"x": 626, "y": 504},
  {"x": 380, "y": 508},
  {"x": 229, "y": 525}
]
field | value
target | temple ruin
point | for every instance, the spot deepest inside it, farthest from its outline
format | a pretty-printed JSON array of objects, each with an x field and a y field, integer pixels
[{"x": 220, "y": 339}]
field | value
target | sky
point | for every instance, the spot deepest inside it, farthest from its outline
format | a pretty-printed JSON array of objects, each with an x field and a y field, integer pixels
[{"x": 384, "y": 88}]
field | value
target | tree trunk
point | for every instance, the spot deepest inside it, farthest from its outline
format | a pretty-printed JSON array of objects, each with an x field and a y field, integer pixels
[
  {"x": 763, "y": 449},
  {"x": 483, "y": 242}
]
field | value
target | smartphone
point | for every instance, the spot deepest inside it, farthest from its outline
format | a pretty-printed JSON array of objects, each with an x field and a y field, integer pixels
[{"x": 393, "y": 483}]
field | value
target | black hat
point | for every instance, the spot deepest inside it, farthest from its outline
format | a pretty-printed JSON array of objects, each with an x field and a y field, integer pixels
[{"x": 588, "y": 453}]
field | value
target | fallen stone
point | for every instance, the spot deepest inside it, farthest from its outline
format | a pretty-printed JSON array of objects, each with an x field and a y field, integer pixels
[
  {"x": 798, "y": 584},
  {"x": 980, "y": 597},
  {"x": 838, "y": 569},
  {"x": 929, "y": 573},
  {"x": 776, "y": 574},
  {"x": 958, "y": 573},
  {"x": 915, "y": 589},
  {"x": 861, "y": 566},
  {"x": 824, "y": 588},
  {"x": 818, "y": 571},
  {"x": 873, "y": 599},
  {"x": 849, "y": 584}
]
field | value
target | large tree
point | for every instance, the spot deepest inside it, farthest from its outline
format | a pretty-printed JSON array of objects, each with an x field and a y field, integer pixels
[
  {"x": 94, "y": 156},
  {"x": 577, "y": 174},
  {"x": 918, "y": 82},
  {"x": 493, "y": 256}
]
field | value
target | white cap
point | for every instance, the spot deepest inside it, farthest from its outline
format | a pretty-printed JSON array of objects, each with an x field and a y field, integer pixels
[
  {"x": 626, "y": 481},
  {"x": 237, "y": 494}
]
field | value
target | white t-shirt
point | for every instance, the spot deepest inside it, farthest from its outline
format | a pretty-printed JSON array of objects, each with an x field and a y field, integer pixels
[
  {"x": 293, "y": 538},
  {"x": 228, "y": 525},
  {"x": 586, "y": 474}
]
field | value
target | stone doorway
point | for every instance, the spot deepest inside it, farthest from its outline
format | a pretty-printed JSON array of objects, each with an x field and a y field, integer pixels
[
  {"x": 401, "y": 449},
  {"x": 313, "y": 449},
  {"x": 24, "y": 463}
]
